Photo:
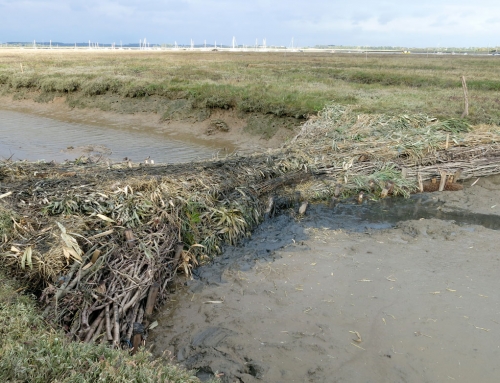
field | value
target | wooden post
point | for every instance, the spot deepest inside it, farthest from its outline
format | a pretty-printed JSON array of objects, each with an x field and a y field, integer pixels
[
  {"x": 109, "y": 336},
  {"x": 270, "y": 207},
  {"x": 404, "y": 172},
  {"x": 150, "y": 303},
  {"x": 116, "y": 327},
  {"x": 303, "y": 208},
  {"x": 442, "y": 183},
  {"x": 466, "y": 98},
  {"x": 138, "y": 332},
  {"x": 178, "y": 251},
  {"x": 136, "y": 342},
  {"x": 338, "y": 190}
]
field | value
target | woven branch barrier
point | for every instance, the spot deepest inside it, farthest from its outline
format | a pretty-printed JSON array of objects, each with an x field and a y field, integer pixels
[{"x": 102, "y": 242}]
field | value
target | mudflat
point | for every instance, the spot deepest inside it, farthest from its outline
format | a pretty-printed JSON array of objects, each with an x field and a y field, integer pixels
[{"x": 306, "y": 300}]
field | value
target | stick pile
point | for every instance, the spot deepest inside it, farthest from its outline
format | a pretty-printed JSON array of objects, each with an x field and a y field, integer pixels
[{"x": 102, "y": 242}]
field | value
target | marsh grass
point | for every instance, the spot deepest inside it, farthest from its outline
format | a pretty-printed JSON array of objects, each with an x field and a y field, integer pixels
[
  {"x": 280, "y": 84},
  {"x": 6, "y": 223}
]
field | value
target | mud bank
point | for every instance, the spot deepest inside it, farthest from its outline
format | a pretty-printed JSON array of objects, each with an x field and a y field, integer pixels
[
  {"x": 243, "y": 135},
  {"x": 313, "y": 300}
]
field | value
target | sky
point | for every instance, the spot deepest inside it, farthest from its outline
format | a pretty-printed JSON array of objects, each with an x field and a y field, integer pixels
[{"x": 403, "y": 23}]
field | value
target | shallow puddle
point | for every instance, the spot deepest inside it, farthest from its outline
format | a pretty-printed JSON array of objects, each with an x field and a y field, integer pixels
[
  {"x": 346, "y": 294},
  {"x": 31, "y": 137}
]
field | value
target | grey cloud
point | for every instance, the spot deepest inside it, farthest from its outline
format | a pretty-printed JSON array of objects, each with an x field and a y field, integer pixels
[
  {"x": 359, "y": 17},
  {"x": 385, "y": 18}
]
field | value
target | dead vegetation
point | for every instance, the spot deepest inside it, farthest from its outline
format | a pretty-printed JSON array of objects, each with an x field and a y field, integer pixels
[{"x": 103, "y": 242}]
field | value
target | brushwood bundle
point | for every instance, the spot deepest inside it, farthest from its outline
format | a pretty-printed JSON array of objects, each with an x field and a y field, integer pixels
[{"x": 102, "y": 242}]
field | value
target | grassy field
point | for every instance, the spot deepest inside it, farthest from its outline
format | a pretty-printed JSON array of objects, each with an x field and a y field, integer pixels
[{"x": 180, "y": 85}]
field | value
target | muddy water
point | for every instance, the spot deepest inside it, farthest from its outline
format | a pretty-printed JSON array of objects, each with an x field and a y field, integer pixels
[
  {"x": 347, "y": 294},
  {"x": 25, "y": 136}
]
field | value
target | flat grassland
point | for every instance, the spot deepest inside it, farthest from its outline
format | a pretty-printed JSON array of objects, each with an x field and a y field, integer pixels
[{"x": 290, "y": 85}]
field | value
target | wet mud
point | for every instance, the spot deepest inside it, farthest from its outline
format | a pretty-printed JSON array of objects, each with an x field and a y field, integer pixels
[{"x": 395, "y": 291}]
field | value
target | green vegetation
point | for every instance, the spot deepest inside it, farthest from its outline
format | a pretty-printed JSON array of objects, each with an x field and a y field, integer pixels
[
  {"x": 177, "y": 85},
  {"x": 32, "y": 352},
  {"x": 6, "y": 223}
]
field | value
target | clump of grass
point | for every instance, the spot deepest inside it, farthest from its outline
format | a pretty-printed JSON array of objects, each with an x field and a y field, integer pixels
[
  {"x": 454, "y": 125},
  {"x": 4, "y": 78},
  {"x": 6, "y": 223},
  {"x": 18, "y": 81},
  {"x": 59, "y": 85},
  {"x": 30, "y": 351},
  {"x": 101, "y": 85}
]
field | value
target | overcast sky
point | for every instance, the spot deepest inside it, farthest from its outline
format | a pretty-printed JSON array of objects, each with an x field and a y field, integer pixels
[{"x": 415, "y": 23}]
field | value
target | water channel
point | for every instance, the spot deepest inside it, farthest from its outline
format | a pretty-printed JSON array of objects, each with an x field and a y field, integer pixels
[{"x": 29, "y": 137}]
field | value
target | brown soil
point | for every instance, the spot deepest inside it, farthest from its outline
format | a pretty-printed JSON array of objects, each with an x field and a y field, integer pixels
[
  {"x": 414, "y": 303},
  {"x": 188, "y": 129}
]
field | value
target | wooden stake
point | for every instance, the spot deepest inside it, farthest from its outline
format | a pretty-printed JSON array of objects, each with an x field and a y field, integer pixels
[
  {"x": 447, "y": 141},
  {"x": 390, "y": 187},
  {"x": 136, "y": 342},
  {"x": 178, "y": 251},
  {"x": 116, "y": 327},
  {"x": 270, "y": 206},
  {"x": 420, "y": 183},
  {"x": 303, "y": 208},
  {"x": 129, "y": 236},
  {"x": 360, "y": 197},
  {"x": 130, "y": 331},
  {"x": 466, "y": 98},
  {"x": 404, "y": 172},
  {"x": 442, "y": 183},
  {"x": 338, "y": 189},
  {"x": 150, "y": 303},
  {"x": 109, "y": 336}
]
